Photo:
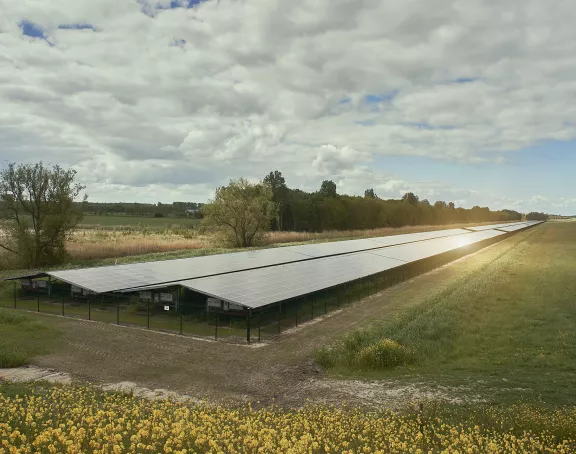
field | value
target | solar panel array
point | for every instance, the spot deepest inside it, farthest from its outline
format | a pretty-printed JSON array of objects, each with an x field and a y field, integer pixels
[
  {"x": 258, "y": 288},
  {"x": 156, "y": 274},
  {"x": 122, "y": 277}
]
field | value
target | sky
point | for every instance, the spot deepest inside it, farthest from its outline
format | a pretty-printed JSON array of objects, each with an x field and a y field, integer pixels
[{"x": 471, "y": 101}]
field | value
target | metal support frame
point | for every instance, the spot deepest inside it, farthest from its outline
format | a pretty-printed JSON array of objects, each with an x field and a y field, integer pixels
[
  {"x": 248, "y": 320},
  {"x": 279, "y": 316}
]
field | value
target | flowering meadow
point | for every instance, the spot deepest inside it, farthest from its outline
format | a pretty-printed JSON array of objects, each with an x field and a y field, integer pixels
[{"x": 81, "y": 419}]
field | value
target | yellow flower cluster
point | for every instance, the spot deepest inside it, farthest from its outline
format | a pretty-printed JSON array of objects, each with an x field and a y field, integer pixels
[{"x": 80, "y": 420}]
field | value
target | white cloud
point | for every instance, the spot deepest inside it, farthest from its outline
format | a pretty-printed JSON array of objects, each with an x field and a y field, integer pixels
[{"x": 186, "y": 98}]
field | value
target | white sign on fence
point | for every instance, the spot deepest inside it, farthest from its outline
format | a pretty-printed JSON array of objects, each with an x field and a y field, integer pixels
[{"x": 166, "y": 308}]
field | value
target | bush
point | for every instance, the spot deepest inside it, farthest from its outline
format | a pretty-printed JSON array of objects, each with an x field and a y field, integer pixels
[
  {"x": 384, "y": 354},
  {"x": 158, "y": 215}
]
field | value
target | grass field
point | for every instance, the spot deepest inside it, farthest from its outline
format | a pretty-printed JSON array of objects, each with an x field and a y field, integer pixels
[
  {"x": 508, "y": 327},
  {"x": 23, "y": 337}
]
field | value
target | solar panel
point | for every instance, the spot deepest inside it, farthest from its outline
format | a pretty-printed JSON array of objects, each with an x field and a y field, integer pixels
[
  {"x": 418, "y": 251},
  {"x": 258, "y": 288},
  {"x": 492, "y": 226},
  {"x": 514, "y": 228},
  {"x": 121, "y": 277}
]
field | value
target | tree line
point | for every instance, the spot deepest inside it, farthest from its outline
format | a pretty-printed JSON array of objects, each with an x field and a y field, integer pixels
[
  {"x": 40, "y": 206},
  {"x": 325, "y": 209}
]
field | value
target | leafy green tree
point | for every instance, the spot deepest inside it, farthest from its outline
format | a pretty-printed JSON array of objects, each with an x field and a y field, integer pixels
[
  {"x": 369, "y": 194},
  {"x": 328, "y": 189},
  {"x": 410, "y": 198},
  {"x": 243, "y": 211},
  {"x": 451, "y": 205},
  {"x": 439, "y": 205},
  {"x": 39, "y": 209},
  {"x": 280, "y": 196}
]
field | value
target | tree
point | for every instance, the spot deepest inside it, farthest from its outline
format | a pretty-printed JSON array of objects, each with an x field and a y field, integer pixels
[
  {"x": 328, "y": 189},
  {"x": 451, "y": 205},
  {"x": 243, "y": 210},
  {"x": 39, "y": 209},
  {"x": 369, "y": 194},
  {"x": 535, "y": 216},
  {"x": 440, "y": 205},
  {"x": 279, "y": 195},
  {"x": 410, "y": 198}
]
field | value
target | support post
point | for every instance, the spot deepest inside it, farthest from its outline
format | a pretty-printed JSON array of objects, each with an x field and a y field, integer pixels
[
  {"x": 259, "y": 326},
  {"x": 14, "y": 282},
  {"x": 49, "y": 285},
  {"x": 349, "y": 293},
  {"x": 279, "y": 315},
  {"x": 38, "y": 302},
  {"x": 216, "y": 329},
  {"x": 312, "y": 309},
  {"x": 89, "y": 308},
  {"x": 62, "y": 306},
  {"x": 181, "y": 320},
  {"x": 118, "y": 313},
  {"x": 148, "y": 310},
  {"x": 248, "y": 326},
  {"x": 325, "y": 306},
  {"x": 297, "y": 306}
]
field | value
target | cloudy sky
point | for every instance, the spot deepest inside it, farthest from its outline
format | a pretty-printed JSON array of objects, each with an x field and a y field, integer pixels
[{"x": 156, "y": 100}]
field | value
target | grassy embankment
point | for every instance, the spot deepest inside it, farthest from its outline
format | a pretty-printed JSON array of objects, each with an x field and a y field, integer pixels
[
  {"x": 506, "y": 330},
  {"x": 23, "y": 337}
]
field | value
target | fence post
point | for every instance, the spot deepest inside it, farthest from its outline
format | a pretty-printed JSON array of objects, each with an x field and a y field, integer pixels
[
  {"x": 62, "y": 305},
  {"x": 148, "y": 310},
  {"x": 118, "y": 313}
]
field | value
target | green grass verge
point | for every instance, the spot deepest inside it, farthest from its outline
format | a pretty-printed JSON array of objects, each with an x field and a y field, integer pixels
[
  {"x": 506, "y": 327},
  {"x": 23, "y": 337}
]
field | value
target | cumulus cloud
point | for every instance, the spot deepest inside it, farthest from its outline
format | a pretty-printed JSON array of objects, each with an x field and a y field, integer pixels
[{"x": 156, "y": 95}]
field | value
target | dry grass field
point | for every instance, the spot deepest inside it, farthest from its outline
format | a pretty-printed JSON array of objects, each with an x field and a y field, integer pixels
[{"x": 87, "y": 245}]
